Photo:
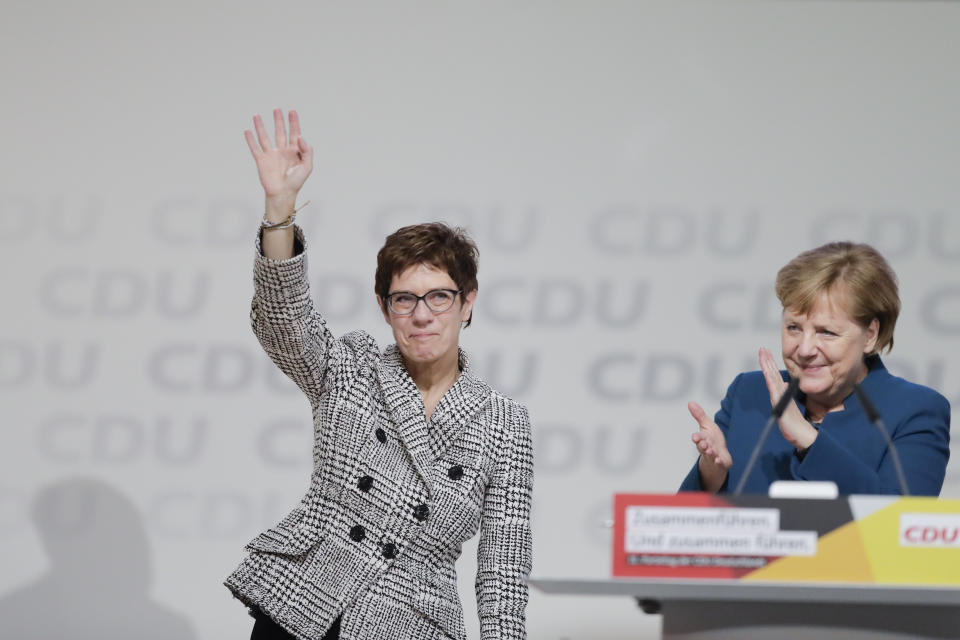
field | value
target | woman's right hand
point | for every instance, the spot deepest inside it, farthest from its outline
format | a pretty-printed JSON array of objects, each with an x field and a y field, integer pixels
[
  {"x": 284, "y": 167},
  {"x": 715, "y": 460}
]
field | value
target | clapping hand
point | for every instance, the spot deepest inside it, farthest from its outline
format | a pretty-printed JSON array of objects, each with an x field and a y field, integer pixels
[
  {"x": 794, "y": 427},
  {"x": 715, "y": 459}
]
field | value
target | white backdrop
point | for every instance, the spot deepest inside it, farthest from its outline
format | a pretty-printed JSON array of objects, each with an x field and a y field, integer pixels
[{"x": 634, "y": 174}]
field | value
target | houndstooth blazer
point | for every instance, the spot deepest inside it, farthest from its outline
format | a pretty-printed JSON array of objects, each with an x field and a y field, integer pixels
[{"x": 393, "y": 496}]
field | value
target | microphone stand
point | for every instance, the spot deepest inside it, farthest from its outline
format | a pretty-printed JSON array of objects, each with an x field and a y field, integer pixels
[
  {"x": 874, "y": 417},
  {"x": 789, "y": 394}
]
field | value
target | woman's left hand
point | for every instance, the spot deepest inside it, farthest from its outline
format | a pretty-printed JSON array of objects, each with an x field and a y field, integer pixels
[{"x": 794, "y": 427}]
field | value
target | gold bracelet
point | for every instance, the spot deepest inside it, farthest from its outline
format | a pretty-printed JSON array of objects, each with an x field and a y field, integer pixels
[{"x": 283, "y": 224}]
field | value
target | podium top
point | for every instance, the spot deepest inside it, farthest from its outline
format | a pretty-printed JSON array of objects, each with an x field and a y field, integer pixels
[{"x": 677, "y": 589}]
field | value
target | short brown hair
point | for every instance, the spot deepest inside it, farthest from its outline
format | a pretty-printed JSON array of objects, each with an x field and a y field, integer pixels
[
  {"x": 855, "y": 271},
  {"x": 433, "y": 243}
]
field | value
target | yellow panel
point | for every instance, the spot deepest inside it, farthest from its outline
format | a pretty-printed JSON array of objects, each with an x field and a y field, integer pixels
[
  {"x": 893, "y": 564},
  {"x": 840, "y": 557}
]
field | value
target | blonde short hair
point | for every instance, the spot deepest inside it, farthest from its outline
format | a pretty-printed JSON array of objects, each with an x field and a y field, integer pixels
[{"x": 857, "y": 273}]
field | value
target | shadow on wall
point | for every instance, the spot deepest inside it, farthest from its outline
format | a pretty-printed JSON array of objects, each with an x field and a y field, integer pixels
[{"x": 97, "y": 585}]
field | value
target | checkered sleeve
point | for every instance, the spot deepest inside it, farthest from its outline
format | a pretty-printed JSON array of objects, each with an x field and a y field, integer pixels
[
  {"x": 291, "y": 331},
  {"x": 504, "y": 554}
]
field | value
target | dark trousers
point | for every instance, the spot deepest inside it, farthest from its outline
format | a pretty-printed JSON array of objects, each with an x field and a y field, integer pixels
[{"x": 266, "y": 629}]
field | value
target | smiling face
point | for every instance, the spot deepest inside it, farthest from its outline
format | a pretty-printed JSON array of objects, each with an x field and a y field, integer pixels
[
  {"x": 426, "y": 338},
  {"x": 825, "y": 349}
]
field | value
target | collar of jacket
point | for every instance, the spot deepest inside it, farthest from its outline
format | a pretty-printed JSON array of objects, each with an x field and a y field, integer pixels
[{"x": 426, "y": 441}]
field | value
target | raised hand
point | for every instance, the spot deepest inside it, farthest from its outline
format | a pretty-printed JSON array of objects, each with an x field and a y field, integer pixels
[
  {"x": 715, "y": 460},
  {"x": 283, "y": 167},
  {"x": 794, "y": 427}
]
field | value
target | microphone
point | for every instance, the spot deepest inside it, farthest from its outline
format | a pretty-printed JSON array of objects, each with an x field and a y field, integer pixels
[
  {"x": 874, "y": 416},
  {"x": 788, "y": 395}
]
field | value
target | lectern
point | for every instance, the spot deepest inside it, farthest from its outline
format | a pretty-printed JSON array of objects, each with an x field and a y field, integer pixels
[{"x": 745, "y": 567}]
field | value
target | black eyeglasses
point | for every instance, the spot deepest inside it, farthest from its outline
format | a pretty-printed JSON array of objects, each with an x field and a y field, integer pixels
[{"x": 403, "y": 303}]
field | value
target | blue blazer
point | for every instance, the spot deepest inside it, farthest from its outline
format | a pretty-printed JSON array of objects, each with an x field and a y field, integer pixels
[{"x": 848, "y": 449}]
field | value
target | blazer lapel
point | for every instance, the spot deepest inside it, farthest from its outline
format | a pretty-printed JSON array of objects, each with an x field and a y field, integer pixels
[
  {"x": 427, "y": 442},
  {"x": 456, "y": 409},
  {"x": 405, "y": 405}
]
